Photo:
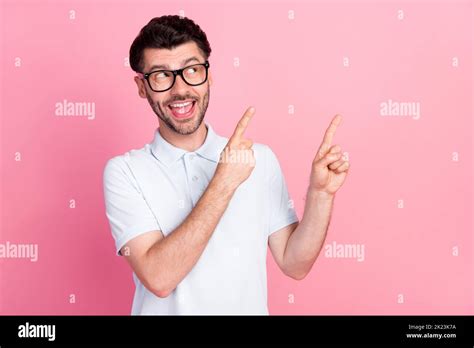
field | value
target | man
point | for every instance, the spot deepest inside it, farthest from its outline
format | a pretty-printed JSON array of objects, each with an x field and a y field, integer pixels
[{"x": 192, "y": 219}]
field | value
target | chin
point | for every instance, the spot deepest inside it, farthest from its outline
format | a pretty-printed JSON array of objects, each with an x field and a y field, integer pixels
[{"x": 187, "y": 126}]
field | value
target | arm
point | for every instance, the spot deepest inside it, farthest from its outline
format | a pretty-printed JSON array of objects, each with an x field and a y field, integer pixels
[
  {"x": 297, "y": 246},
  {"x": 160, "y": 262},
  {"x": 168, "y": 260},
  {"x": 304, "y": 241}
]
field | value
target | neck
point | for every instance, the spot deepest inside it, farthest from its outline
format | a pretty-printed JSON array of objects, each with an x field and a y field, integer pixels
[{"x": 188, "y": 142}]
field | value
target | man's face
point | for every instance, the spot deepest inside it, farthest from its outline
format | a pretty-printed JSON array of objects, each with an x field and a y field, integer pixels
[{"x": 180, "y": 92}]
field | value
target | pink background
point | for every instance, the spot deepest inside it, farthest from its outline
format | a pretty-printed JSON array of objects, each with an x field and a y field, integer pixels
[{"x": 282, "y": 62}]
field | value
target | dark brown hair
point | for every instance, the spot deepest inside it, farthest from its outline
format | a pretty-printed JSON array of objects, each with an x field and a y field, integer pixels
[{"x": 167, "y": 32}]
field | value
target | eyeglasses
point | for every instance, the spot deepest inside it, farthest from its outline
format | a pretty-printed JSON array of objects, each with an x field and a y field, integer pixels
[{"x": 163, "y": 80}]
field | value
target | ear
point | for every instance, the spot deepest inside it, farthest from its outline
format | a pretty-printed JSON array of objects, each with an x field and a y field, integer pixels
[
  {"x": 210, "y": 78},
  {"x": 141, "y": 86}
]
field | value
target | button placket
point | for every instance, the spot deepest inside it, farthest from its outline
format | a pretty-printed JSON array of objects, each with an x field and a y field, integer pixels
[{"x": 193, "y": 178}]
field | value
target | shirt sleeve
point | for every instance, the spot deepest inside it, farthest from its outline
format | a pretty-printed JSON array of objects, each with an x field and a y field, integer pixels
[
  {"x": 126, "y": 209},
  {"x": 282, "y": 212}
]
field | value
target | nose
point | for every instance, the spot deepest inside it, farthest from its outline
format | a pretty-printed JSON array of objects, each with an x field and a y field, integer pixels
[{"x": 179, "y": 85}]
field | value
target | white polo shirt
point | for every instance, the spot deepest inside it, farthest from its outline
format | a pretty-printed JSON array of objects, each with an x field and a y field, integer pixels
[{"x": 157, "y": 186}]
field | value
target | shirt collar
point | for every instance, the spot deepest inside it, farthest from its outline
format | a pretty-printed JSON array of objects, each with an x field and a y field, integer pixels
[{"x": 169, "y": 154}]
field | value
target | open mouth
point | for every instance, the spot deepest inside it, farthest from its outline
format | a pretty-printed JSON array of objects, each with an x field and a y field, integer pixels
[{"x": 182, "y": 110}]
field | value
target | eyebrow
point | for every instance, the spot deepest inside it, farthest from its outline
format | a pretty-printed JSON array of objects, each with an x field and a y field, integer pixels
[{"x": 164, "y": 66}]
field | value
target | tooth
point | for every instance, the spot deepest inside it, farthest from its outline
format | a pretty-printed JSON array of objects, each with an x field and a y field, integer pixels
[{"x": 180, "y": 105}]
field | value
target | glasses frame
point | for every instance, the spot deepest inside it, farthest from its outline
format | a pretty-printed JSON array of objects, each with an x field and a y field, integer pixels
[{"x": 176, "y": 73}]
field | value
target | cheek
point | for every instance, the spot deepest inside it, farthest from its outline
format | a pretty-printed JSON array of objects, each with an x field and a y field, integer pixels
[
  {"x": 153, "y": 103},
  {"x": 150, "y": 99},
  {"x": 203, "y": 94}
]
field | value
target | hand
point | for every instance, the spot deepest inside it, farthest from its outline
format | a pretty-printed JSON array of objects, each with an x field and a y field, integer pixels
[
  {"x": 329, "y": 169},
  {"x": 237, "y": 159}
]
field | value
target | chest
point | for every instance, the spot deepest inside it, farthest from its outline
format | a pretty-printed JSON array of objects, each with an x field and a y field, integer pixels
[{"x": 171, "y": 193}]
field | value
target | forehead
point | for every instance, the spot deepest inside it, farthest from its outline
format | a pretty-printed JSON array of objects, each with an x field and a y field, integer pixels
[{"x": 172, "y": 58}]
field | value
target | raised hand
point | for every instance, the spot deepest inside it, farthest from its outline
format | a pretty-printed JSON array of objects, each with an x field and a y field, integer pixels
[
  {"x": 237, "y": 159},
  {"x": 329, "y": 169}
]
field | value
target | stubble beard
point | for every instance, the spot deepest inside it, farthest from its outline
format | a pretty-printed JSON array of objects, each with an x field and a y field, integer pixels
[{"x": 183, "y": 127}]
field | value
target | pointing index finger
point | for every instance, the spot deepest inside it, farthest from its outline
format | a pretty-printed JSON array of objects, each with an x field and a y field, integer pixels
[
  {"x": 243, "y": 123},
  {"x": 329, "y": 135}
]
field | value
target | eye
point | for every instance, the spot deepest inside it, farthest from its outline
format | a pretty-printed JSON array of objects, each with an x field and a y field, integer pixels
[{"x": 159, "y": 75}]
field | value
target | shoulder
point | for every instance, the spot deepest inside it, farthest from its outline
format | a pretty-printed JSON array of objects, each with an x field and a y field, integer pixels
[
  {"x": 121, "y": 164},
  {"x": 266, "y": 159},
  {"x": 262, "y": 151},
  {"x": 265, "y": 153}
]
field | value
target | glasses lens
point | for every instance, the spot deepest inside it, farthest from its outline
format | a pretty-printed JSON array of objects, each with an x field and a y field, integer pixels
[
  {"x": 195, "y": 74},
  {"x": 162, "y": 80}
]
